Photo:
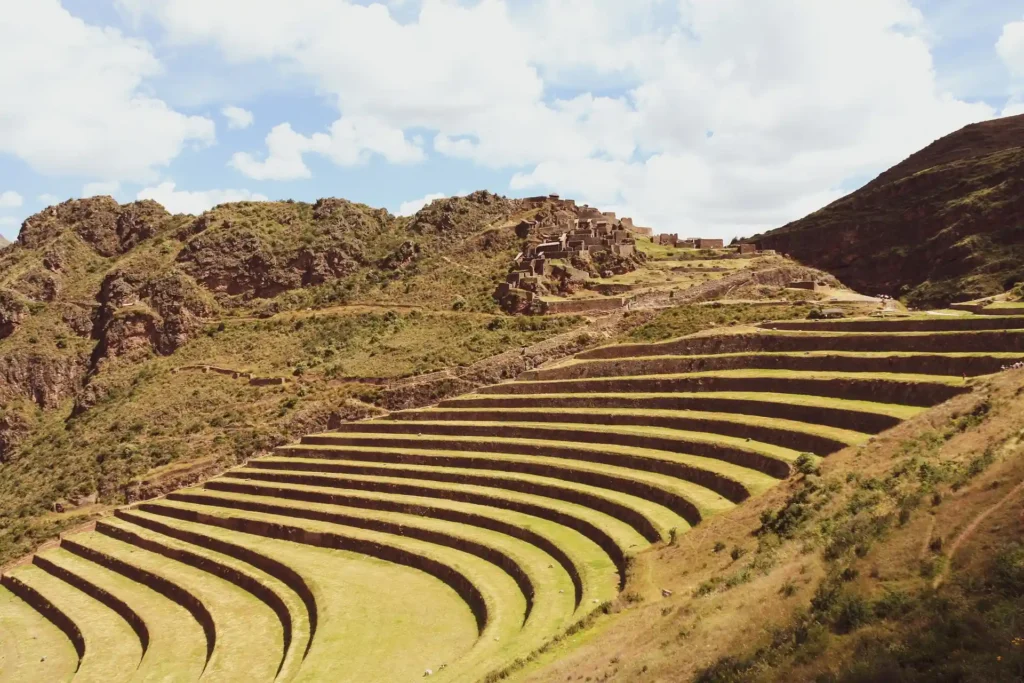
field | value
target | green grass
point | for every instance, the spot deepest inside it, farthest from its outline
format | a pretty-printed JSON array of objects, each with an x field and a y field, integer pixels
[
  {"x": 177, "y": 646},
  {"x": 407, "y": 620},
  {"x": 289, "y": 658},
  {"x": 683, "y": 320},
  {"x": 437, "y": 494},
  {"x": 659, "y": 517},
  {"x": 707, "y": 501},
  {"x": 112, "y": 650},
  {"x": 782, "y": 374},
  {"x": 353, "y": 613},
  {"x": 249, "y": 635},
  {"x": 846, "y": 436},
  {"x": 683, "y": 436},
  {"x": 31, "y": 648},
  {"x": 553, "y": 600},
  {"x": 596, "y": 569},
  {"x": 900, "y": 411}
]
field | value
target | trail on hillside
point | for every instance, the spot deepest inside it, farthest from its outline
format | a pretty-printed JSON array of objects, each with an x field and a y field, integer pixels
[{"x": 966, "y": 533}]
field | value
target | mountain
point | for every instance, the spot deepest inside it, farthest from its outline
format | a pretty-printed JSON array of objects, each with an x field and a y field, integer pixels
[
  {"x": 946, "y": 224},
  {"x": 3, "y": 242}
]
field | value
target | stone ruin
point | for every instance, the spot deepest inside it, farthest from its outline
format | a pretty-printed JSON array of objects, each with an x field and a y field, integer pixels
[
  {"x": 564, "y": 246},
  {"x": 672, "y": 240}
]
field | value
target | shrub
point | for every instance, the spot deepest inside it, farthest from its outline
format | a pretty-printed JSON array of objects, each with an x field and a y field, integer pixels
[
  {"x": 737, "y": 552},
  {"x": 1008, "y": 571},
  {"x": 719, "y": 546},
  {"x": 806, "y": 463}
]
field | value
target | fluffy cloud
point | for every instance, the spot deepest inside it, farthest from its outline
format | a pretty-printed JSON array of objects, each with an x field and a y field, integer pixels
[
  {"x": 351, "y": 141},
  {"x": 1010, "y": 47},
  {"x": 237, "y": 117},
  {"x": 48, "y": 199},
  {"x": 183, "y": 201},
  {"x": 723, "y": 116},
  {"x": 74, "y": 101},
  {"x": 109, "y": 187},
  {"x": 10, "y": 200},
  {"x": 1012, "y": 108},
  {"x": 413, "y": 205}
]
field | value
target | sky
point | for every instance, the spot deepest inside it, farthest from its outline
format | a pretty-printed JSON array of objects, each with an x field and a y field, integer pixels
[{"x": 717, "y": 118}]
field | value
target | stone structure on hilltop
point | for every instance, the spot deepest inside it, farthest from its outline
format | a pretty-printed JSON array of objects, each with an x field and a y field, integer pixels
[
  {"x": 672, "y": 240},
  {"x": 564, "y": 246}
]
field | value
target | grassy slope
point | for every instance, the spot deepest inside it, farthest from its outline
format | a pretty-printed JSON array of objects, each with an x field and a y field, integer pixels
[
  {"x": 834, "y": 573},
  {"x": 963, "y": 239}
]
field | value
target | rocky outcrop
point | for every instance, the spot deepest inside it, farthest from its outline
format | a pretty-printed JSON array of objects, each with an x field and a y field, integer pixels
[
  {"x": 945, "y": 225},
  {"x": 46, "y": 379},
  {"x": 261, "y": 251},
  {"x": 108, "y": 227},
  {"x": 459, "y": 217},
  {"x": 12, "y": 311},
  {"x": 139, "y": 311}
]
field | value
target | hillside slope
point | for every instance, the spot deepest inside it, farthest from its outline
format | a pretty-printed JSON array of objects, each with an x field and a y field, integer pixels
[
  {"x": 110, "y": 313},
  {"x": 946, "y": 224}
]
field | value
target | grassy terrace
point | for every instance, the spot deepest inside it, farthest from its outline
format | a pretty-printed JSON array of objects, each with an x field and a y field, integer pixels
[
  {"x": 775, "y": 340},
  {"x": 545, "y": 583},
  {"x": 503, "y": 636},
  {"x": 592, "y": 571},
  {"x": 248, "y": 633},
  {"x": 792, "y": 434},
  {"x": 494, "y": 521},
  {"x": 615, "y": 537},
  {"x": 719, "y": 398},
  {"x": 32, "y": 648},
  {"x": 716, "y": 470},
  {"x": 112, "y": 649},
  {"x": 686, "y": 498},
  {"x": 352, "y": 615},
  {"x": 648, "y": 518},
  {"x": 559, "y": 435},
  {"x": 957, "y": 363},
  {"x": 176, "y": 645},
  {"x": 918, "y": 323}
]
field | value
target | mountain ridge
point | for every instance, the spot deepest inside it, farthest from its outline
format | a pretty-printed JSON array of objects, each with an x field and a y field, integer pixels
[{"x": 944, "y": 225}]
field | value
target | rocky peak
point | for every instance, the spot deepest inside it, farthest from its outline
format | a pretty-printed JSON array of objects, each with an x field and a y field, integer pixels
[{"x": 106, "y": 226}]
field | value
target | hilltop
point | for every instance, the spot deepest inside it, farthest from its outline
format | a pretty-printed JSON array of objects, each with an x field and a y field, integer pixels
[
  {"x": 3, "y": 242},
  {"x": 945, "y": 225}
]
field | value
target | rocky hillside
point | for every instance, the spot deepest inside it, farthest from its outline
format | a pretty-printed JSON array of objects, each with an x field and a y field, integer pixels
[
  {"x": 946, "y": 224},
  {"x": 3, "y": 242},
  {"x": 109, "y": 313}
]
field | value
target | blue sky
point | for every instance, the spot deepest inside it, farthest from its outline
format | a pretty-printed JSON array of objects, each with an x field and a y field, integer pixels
[{"x": 713, "y": 117}]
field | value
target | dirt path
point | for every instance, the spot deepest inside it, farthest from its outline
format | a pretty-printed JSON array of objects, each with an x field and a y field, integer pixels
[{"x": 966, "y": 533}]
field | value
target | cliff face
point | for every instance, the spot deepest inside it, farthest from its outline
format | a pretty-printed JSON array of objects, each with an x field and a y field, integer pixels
[{"x": 946, "y": 224}]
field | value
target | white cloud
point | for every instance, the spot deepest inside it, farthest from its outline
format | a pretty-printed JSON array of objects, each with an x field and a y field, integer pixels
[
  {"x": 48, "y": 199},
  {"x": 184, "y": 201},
  {"x": 1013, "y": 108},
  {"x": 109, "y": 187},
  {"x": 350, "y": 142},
  {"x": 237, "y": 117},
  {"x": 1010, "y": 47},
  {"x": 413, "y": 205},
  {"x": 10, "y": 200},
  {"x": 609, "y": 101},
  {"x": 75, "y": 101}
]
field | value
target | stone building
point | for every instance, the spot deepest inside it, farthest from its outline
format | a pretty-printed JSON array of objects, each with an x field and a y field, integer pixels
[{"x": 560, "y": 243}]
